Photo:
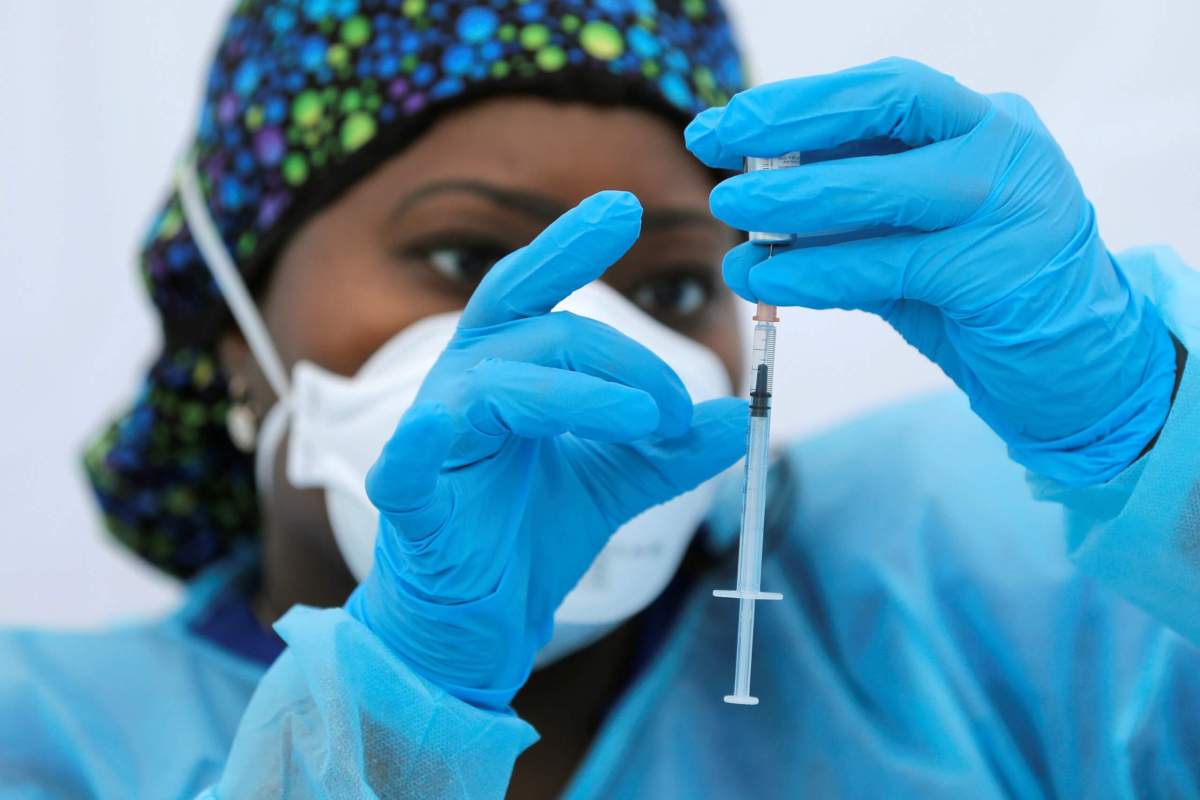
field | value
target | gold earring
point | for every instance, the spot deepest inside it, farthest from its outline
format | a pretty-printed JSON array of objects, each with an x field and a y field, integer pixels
[{"x": 240, "y": 420}]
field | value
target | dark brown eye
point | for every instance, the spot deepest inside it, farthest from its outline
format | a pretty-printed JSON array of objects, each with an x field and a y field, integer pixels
[
  {"x": 463, "y": 263},
  {"x": 674, "y": 295}
]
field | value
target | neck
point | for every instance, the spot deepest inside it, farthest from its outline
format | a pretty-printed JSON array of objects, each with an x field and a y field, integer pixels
[
  {"x": 301, "y": 564},
  {"x": 566, "y": 703}
]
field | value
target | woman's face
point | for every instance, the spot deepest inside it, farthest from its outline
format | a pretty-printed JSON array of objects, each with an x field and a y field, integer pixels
[{"x": 415, "y": 236}]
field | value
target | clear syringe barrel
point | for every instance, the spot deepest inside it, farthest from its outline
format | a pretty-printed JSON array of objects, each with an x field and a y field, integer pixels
[{"x": 754, "y": 495}]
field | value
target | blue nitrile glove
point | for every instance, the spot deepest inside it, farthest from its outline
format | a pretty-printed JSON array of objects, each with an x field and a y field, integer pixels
[
  {"x": 968, "y": 233},
  {"x": 534, "y": 437}
]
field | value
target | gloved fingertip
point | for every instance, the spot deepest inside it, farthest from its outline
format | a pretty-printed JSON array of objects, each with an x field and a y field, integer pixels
[
  {"x": 768, "y": 286},
  {"x": 408, "y": 465},
  {"x": 601, "y": 229},
  {"x": 702, "y": 138},
  {"x": 716, "y": 439},
  {"x": 727, "y": 202},
  {"x": 428, "y": 415},
  {"x": 612, "y": 222},
  {"x": 734, "y": 410},
  {"x": 432, "y": 424},
  {"x": 676, "y": 408},
  {"x": 728, "y": 419},
  {"x": 614, "y": 205},
  {"x": 641, "y": 415},
  {"x": 736, "y": 266},
  {"x": 700, "y": 134},
  {"x": 780, "y": 284},
  {"x": 675, "y": 421}
]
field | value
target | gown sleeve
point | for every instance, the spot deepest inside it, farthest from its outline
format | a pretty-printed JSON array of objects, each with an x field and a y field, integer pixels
[
  {"x": 338, "y": 715},
  {"x": 1140, "y": 532}
]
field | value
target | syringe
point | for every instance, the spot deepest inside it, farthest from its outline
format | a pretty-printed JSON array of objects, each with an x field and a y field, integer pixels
[
  {"x": 754, "y": 494},
  {"x": 754, "y": 502}
]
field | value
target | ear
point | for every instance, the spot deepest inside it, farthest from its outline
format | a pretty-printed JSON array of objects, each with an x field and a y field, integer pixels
[{"x": 239, "y": 364}]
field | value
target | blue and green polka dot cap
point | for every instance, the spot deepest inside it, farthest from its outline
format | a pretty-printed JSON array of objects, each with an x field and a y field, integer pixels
[{"x": 305, "y": 97}]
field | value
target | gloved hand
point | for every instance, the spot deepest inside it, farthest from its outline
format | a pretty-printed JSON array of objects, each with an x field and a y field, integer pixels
[
  {"x": 534, "y": 437},
  {"x": 969, "y": 233}
]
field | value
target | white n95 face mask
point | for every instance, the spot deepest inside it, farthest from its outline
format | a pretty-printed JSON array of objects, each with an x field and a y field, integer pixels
[{"x": 338, "y": 426}]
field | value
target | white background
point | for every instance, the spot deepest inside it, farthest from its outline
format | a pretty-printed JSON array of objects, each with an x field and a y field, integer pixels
[{"x": 96, "y": 99}]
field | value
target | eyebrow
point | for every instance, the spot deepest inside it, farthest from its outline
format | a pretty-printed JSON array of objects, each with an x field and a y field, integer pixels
[{"x": 542, "y": 208}]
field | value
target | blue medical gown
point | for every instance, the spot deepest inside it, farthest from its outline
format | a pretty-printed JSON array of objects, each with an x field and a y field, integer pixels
[{"x": 943, "y": 634}]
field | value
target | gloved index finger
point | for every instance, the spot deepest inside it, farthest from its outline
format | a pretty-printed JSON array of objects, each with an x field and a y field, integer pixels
[
  {"x": 893, "y": 98},
  {"x": 571, "y": 252}
]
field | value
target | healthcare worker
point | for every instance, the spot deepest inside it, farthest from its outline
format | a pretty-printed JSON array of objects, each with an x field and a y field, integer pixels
[{"x": 443, "y": 313}]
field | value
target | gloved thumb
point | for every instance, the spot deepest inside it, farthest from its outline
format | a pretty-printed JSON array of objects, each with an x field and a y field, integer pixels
[{"x": 661, "y": 469}]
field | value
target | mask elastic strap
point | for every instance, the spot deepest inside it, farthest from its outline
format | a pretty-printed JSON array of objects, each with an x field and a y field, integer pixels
[
  {"x": 229, "y": 280},
  {"x": 270, "y": 435}
]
